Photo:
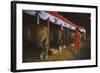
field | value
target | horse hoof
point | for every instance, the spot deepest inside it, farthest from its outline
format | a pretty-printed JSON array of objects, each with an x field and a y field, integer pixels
[
  {"x": 64, "y": 46},
  {"x": 60, "y": 49}
]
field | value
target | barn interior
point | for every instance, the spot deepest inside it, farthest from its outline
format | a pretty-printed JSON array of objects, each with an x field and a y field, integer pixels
[{"x": 31, "y": 50}]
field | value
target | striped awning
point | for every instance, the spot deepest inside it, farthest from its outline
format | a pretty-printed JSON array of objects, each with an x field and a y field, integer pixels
[{"x": 55, "y": 18}]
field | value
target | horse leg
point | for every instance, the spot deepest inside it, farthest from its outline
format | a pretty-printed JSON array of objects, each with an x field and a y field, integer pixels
[
  {"x": 46, "y": 48},
  {"x": 60, "y": 48},
  {"x": 44, "y": 53},
  {"x": 42, "y": 56}
]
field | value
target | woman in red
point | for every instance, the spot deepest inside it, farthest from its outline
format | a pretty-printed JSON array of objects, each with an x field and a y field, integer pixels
[{"x": 77, "y": 41}]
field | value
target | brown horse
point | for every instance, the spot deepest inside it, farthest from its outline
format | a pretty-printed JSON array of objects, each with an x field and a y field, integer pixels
[
  {"x": 38, "y": 34},
  {"x": 64, "y": 38},
  {"x": 59, "y": 36}
]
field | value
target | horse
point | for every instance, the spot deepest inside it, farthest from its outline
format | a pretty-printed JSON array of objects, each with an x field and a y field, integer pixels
[
  {"x": 64, "y": 38},
  {"x": 38, "y": 35},
  {"x": 59, "y": 39}
]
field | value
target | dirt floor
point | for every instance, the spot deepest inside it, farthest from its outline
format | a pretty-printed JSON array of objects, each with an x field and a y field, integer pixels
[{"x": 66, "y": 54}]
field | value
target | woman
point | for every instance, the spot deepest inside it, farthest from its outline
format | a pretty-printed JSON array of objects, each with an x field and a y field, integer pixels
[{"x": 77, "y": 41}]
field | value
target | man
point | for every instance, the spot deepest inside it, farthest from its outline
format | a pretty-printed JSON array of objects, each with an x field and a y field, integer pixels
[{"x": 77, "y": 41}]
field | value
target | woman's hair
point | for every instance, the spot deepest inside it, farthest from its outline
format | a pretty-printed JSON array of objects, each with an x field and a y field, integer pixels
[{"x": 77, "y": 29}]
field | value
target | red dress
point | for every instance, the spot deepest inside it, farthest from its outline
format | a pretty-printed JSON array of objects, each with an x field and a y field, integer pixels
[{"x": 77, "y": 41}]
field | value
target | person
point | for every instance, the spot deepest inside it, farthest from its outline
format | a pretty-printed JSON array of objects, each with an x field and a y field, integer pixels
[{"x": 77, "y": 41}]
